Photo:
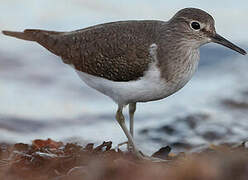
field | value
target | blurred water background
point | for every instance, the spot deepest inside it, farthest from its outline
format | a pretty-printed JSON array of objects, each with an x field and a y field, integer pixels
[{"x": 40, "y": 97}]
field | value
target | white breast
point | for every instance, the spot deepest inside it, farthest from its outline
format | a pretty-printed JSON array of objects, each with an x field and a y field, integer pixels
[{"x": 148, "y": 88}]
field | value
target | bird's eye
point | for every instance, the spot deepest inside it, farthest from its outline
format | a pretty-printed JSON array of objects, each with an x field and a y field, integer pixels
[{"x": 195, "y": 25}]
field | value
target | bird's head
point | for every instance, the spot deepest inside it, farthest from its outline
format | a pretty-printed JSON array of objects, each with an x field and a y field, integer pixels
[{"x": 197, "y": 27}]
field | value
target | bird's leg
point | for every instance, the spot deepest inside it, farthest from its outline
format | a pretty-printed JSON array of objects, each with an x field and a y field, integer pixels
[
  {"x": 132, "y": 108},
  {"x": 121, "y": 120}
]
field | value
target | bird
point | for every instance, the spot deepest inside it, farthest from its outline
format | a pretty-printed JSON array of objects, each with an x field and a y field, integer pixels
[{"x": 134, "y": 61}]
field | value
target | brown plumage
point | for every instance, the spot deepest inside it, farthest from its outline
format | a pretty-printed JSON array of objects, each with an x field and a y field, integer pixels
[{"x": 116, "y": 51}]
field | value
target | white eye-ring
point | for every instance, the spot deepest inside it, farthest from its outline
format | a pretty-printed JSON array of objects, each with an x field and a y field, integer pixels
[{"x": 195, "y": 25}]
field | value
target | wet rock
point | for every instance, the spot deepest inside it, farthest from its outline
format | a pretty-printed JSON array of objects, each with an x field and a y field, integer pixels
[
  {"x": 105, "y": 146},
  {"x": 211, "y": 136},
  {"x": 156, "y": 139},
  {"x": 162, "y": 153},
  {"x": 167, "y": 129},
  {"x": 235, "y": 104},
  {"x": 144, "y": 131},
  {"x": 180, "y": 145},
  {"x": 179, "y": 131},
  {"x": 193, "y": 119},
  {"x": 211, "y": 132}
]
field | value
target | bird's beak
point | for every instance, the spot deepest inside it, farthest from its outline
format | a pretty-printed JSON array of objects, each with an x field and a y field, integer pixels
[{"x": 216, "y": 38}]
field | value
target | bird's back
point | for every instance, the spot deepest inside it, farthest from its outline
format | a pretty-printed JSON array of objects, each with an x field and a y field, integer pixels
[{"x": 118, "y": 51}]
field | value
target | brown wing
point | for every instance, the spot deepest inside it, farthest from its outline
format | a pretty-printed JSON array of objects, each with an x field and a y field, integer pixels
[{"x": 116, "y": 51}]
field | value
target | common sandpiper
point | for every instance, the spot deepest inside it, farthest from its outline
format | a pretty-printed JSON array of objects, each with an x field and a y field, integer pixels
[{"x": 134, "y": 61}]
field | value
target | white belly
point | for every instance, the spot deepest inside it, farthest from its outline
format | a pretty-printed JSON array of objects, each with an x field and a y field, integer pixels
[{"x": 148, "y": 88}]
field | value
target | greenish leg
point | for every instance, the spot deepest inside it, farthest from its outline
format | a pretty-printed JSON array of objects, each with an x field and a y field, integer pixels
[
  {"x": 121, "y": 120},
  {"x": 132, "y": 108}
]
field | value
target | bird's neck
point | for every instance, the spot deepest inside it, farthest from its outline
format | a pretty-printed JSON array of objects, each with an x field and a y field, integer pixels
[{"x": 178, "y": 61}]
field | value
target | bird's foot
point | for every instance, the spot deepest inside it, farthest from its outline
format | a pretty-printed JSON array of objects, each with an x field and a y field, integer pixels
[
  {"x": 129, "y": 146},
  {"x": 142, "y": 156},
  {"x": 139, "y": 154}
]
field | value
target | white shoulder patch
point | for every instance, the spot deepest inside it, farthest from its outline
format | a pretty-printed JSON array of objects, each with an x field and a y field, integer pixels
[{"x": 153, "y": 50}]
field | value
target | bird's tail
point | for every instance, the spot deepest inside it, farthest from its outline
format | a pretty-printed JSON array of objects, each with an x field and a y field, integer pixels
[
  {"x": 30, "y": 34},
  {"x": 48, "y": 39}
]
